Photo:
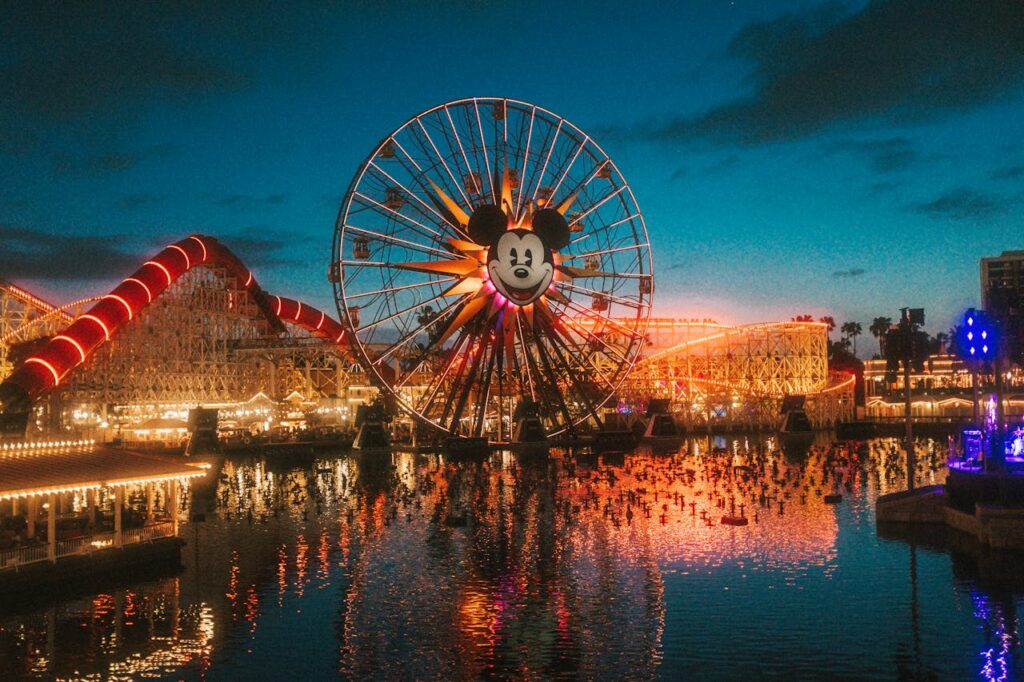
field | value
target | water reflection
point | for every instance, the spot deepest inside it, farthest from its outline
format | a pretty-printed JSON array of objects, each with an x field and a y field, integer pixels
[
  {"x": 125, "y": 634},
  {"x": 526, "y": 566}
]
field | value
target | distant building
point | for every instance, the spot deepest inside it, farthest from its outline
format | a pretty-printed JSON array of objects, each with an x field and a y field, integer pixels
[
  {"x": 1002, "y": 295},
  {"x": 1004, "y": 272},
  {"x": 940, "y": 393}
]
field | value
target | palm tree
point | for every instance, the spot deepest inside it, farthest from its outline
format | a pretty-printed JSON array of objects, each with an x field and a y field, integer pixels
[
  {"x": 952, "y": 336},
  {"x": 851, "y": 330},
  {"x": 804, "y": 318},
  {"x": 878, "y": 328},
  {"x": 830, "y": 321}
]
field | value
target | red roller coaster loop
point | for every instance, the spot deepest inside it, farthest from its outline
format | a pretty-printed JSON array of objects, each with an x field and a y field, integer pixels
[{"x": 46, "y": 369}]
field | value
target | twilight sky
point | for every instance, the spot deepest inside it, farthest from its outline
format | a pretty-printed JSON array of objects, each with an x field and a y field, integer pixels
[{"x": 841, "y": 158}]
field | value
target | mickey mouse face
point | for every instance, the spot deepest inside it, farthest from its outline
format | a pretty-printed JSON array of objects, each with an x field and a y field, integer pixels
[
  {"x": 520, "y": 266},
  {"x": 519, "y": 261}
]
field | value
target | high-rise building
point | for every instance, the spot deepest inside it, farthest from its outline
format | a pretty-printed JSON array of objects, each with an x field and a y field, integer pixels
[
  {"x": 1002, "y": 295},
  {"x": 1004, "y": 272}
]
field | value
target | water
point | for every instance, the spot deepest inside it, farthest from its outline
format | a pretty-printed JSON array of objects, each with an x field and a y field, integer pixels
[{"x": 369, "y": 567}]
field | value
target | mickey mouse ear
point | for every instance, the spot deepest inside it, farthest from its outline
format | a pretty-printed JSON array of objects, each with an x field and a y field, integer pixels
[
  {"x": 487, "y": 224},
  {"x": 552, "y": 227}
]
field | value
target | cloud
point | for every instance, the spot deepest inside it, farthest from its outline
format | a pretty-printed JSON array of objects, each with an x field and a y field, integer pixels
[
  {"x": 261, "y": 252},
  {"x": 852, "y": 272},
  {"x": 883, "y": 155},
  {"x": 33, "y": 254},
  {"x": 73, "y": 60},
  {"x": 135, "y": 200},
  {"x": 110, "y": 162},
  {"x": 1008, "y": 173},
  {"x": 882, "y": 187},
  {"x": 962, "y": 203},
  {"x": 247, "y": 202},
  {"x": 900, "y": 62}
]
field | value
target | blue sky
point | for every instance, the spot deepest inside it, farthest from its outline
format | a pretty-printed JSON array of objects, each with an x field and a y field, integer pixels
[{"x": 789, "y": 157}]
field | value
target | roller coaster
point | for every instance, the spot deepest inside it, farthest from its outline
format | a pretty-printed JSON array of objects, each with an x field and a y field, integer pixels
[
  {"x": 190, "y": 327},
  {"x": 738, "y": 376}
]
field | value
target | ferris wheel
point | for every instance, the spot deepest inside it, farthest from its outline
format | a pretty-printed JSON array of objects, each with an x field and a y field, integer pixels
[{"x": 488, "y": 252}]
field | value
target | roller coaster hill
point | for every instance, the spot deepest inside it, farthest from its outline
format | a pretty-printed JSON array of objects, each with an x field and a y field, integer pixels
[{"x": 193, "y": 328}]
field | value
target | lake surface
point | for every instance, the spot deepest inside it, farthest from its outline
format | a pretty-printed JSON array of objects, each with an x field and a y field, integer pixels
[{"x": 568, "y": 566}]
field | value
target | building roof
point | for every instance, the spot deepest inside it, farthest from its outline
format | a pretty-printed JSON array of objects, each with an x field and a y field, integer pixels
[{"x": 45, "y": 470}]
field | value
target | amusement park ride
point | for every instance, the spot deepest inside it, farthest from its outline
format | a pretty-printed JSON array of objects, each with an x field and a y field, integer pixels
[
  {"x": 471, "y": 247},
  {"x": 493, "y": 281}
]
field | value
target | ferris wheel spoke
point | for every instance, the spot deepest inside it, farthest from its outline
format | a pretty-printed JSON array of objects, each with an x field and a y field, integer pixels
[
  {"x": 583, "y": 388},
  {"x": 458, "y": 141},
  {"x": 526, "y": 159},
  {"x": 582, "y": 185},
  {"x": 438, "y": 379},
  {"x": 611, "y": 297},
  {"x": 440, "y": 157},
  {"x": 579, "y": 329},
  {"x": 565, "y": 171},
  {"x": 411, "y": 335},
  {"x": 525, "y": 349},
  {"x": 398, "y": 240},
  {"x": 481, "y": 408},
  {"x": 390, "y": 212},
  {"x": 404, "y": 311},
  {"x": 547, "y": 160},
  {"x": 483, "y": 146},
  {"x": 550, "y": 372},
  {"x": 441, "y": 220},
  {"x": 601, "y": 202},
  {"x": 604, "y": 320},
  {"x": 631, "y": 247},
  {"x": 465, "y": 384},
  {"x": 389, "y": 290},
  {"x": 605, "y": 228}
]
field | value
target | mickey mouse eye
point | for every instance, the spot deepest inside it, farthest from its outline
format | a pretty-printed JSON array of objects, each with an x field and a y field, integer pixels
[
  {"x": 529, "y": 258},
  {"x": 487, "y": 224},
  {"x": 552, "y": 227}
]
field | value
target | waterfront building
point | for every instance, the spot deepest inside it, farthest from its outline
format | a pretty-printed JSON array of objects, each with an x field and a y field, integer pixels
[
  {"x": 940, "y": 393},
  {"x": 62, "y": 500}
]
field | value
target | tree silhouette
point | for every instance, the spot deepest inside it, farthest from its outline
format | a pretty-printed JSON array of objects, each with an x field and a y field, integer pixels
[
  {"x": 830, "y": 321},
  {"x": 851, "y": 330},
  {"x": 878, "y": 327}
]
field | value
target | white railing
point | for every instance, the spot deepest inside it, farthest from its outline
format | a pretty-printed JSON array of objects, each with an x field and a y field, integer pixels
[
  {"x": 147, "y": 533},
  {"x": 20, "y": 556},
  {"x": 11, "y": 558}
]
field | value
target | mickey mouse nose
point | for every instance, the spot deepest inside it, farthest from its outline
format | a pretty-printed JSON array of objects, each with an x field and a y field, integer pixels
[{"x": 521, "y": 273}]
